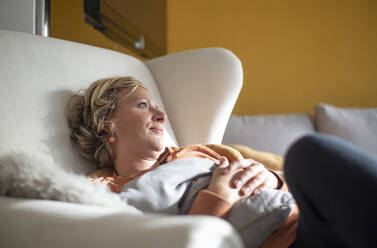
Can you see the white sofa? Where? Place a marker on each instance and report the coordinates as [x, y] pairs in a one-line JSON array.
[[196, 88]]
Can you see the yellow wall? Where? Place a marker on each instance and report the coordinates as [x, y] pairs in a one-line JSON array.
[[295, 53], [67, 23]]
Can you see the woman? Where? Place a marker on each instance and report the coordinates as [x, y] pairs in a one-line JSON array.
[[117, 125]]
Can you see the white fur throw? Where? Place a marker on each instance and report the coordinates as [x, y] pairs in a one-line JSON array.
[[26, 176]]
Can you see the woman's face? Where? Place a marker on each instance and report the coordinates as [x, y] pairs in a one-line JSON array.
[[138, 123]]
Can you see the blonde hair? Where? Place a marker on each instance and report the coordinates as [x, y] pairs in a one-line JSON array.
[[88, 113]]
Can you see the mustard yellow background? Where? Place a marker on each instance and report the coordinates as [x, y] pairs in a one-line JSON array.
[[295, 53]]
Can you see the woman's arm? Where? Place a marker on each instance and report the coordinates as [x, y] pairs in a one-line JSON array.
[[209, 203]]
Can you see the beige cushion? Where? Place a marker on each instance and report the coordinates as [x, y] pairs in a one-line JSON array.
[[269, 160], [357, 125], [237, 152]]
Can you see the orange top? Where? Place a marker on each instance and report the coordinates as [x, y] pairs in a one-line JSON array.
[[207, 202]]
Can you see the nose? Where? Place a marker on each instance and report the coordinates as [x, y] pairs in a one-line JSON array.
[[159, 115]]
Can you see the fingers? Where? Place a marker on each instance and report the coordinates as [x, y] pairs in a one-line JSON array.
[[247, 174], [260, 189], [264, 179], [257, 182], [223, 162], [244, 163]]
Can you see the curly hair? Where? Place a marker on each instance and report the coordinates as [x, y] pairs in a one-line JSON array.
[[88, 112]]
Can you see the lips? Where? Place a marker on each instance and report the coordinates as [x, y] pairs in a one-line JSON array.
[[158, 130]]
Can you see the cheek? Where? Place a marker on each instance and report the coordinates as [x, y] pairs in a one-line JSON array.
[[132, 124]]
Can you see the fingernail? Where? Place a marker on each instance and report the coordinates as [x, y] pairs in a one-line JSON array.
[[237, 183], [226, 170], [246, 191], [225, 160], [245, 162]]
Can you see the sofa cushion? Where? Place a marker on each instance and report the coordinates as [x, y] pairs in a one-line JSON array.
[[38, 76], [357, 125], [269, 160], [268, 133]]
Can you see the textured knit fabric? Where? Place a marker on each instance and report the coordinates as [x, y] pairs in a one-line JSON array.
[[207, 202], [171, 188]]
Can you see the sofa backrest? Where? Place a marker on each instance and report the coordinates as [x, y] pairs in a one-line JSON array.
[[37, 77]]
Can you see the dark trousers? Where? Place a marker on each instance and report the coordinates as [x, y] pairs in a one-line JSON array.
[[335, 186]]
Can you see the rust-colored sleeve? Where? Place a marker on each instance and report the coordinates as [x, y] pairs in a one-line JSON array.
[[209, 203], [286, 234], [282, 185]]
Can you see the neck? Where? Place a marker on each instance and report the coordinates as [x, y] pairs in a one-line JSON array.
[[128, 164]]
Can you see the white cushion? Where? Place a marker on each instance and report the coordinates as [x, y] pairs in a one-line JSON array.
[[200, 87], [357, 125], [38, 75], [269, 133]]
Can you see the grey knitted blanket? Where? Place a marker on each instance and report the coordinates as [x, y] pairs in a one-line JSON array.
[[171, 188]]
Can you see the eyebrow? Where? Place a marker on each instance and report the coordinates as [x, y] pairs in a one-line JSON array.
[[140, 97], [149, 101]]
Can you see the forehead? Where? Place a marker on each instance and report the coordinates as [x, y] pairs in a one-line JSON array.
[[139, 92]]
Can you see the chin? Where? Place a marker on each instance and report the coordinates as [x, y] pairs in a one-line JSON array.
[[158, 146], [161, 147]]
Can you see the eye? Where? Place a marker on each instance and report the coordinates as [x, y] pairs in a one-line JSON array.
[[143, 105]]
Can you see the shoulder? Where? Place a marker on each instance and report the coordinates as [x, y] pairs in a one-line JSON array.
[[191, 151], [194, 147], [101, 173]]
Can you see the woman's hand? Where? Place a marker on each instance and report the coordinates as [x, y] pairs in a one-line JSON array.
[[240, 179], [254, 177]]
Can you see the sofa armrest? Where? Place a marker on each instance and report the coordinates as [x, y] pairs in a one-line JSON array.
[[42, 223], [199, 106]]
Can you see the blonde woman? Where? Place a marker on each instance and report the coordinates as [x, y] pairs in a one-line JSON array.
[[118, 126]]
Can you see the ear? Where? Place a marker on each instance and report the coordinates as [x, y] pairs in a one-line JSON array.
[[109, 126]]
